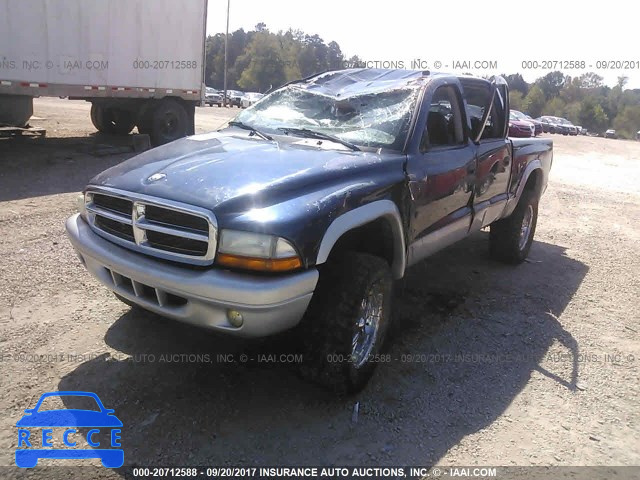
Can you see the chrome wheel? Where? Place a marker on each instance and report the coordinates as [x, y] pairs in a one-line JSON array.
[[525, 229], [367, 325]]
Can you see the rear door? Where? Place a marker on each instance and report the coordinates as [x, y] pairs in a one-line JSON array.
[[441, 174], [493, 148]]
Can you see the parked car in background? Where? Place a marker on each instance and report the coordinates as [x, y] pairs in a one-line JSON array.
[[250, 98], [611, 133], [526, 118], [234, 98], [571, 129], [548, 124], [212, 97], [561, 127], [520, 128]]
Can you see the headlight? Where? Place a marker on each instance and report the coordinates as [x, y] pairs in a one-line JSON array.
[[256, 251]]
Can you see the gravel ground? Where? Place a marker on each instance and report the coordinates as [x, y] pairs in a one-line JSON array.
[[490, 364]]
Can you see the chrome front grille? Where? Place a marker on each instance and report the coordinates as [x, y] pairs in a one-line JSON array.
[[165, 229]]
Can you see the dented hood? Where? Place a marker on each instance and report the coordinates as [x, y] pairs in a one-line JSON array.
[[220, 168]]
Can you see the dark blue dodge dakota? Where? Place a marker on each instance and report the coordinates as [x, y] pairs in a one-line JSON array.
[[303, 211]]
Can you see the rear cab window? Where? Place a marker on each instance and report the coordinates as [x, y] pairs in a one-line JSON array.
[[478, 96]]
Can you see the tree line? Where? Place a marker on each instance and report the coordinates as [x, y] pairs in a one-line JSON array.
[[259, 60], [584, 100]]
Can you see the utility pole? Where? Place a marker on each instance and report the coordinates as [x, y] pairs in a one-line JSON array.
[[226, 49]]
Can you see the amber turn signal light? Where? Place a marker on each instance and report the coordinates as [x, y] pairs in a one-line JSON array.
[[259, 264]]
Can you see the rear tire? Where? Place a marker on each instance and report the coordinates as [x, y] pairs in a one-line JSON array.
[[346, 324], [112, 120], [510, 239]]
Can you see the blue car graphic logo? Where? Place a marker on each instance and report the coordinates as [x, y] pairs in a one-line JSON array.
[[70, 419]]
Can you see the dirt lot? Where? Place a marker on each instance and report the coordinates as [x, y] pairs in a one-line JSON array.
[[493, 365]]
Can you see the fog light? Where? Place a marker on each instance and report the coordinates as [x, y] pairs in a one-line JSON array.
[[235, 318]]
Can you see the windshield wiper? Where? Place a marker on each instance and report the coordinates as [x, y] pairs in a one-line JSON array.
[[244, 126], [305, 132]]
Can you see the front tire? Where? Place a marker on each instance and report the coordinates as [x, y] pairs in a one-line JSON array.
[[347, 322], [510, 239]]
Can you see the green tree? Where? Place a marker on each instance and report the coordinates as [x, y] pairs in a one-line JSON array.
[[593, 116], [572, 92], [590, 80], [572, 112], [555, 107], [622, 81], [264, 65], [516, 100], [517, 83], [627, 123], [354, 62], [534, 101], [290, 48], [335, 57], [551, 84]]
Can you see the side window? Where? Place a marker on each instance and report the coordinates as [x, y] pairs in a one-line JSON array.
[[444, 121], [477, 99]]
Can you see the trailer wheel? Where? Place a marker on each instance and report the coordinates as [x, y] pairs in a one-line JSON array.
[[169, 121], [15, 110], [145, 119], [112, 120]]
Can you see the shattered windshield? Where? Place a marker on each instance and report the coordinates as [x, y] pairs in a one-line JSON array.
[[374, 119]]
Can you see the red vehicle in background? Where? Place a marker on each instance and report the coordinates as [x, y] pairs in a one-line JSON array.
[[526, 118], [520, 128]]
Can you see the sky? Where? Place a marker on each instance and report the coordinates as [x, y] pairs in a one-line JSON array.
[[517, 36]]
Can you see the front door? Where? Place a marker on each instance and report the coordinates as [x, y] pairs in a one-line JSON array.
[[441, 176]]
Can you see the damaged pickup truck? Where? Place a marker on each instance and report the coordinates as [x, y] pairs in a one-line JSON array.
[[304, 211]]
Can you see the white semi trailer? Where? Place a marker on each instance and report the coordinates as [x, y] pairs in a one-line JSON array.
[[139, 62]]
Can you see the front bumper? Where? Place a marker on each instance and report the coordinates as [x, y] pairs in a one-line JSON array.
[[197, 296]]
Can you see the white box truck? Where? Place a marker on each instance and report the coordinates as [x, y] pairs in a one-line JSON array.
[[139, 62]]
